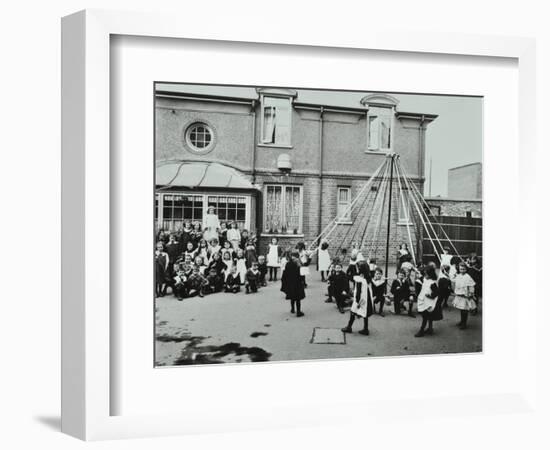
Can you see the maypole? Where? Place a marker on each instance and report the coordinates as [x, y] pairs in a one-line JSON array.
[[389, 217]]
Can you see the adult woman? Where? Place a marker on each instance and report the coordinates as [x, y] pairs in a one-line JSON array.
[[210, 225]]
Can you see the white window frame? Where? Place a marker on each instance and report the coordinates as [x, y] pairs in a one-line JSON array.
[[261, 141], [401, 218], [160, 215], [376, 112], [347, 218], [191, 145], [300, 232]]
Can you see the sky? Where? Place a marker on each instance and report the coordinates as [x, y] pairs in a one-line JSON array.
[[453, 139]]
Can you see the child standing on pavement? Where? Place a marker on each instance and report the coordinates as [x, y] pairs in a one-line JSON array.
[[464, 293], [362, 300], [273, 259]]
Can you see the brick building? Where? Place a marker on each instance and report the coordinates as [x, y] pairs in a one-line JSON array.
[[277, 165]]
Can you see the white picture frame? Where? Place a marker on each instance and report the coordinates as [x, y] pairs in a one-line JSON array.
[[86, 246]]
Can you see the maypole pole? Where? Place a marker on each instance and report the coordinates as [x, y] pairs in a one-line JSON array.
[[389, 216]]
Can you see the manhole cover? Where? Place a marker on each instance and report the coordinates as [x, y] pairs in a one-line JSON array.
[[328, 336]]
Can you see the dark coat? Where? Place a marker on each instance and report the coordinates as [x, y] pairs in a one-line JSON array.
[[339, 283], [291, 282], [399, 290]]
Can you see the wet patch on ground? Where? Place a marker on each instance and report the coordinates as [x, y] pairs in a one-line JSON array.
[[257, 334], [196, 353]]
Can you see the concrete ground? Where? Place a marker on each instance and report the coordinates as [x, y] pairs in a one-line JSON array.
[[234, 328]]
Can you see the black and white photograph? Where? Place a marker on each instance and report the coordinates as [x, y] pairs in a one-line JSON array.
[[300, 224]]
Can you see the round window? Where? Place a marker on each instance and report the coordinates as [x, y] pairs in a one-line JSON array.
[[199, 137]]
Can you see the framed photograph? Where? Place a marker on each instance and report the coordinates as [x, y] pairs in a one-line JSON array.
[[250, 220]]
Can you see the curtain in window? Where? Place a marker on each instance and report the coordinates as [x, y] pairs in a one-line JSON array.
[[292, 209], [269, 125], [385, 132], [373, 132], [274, 213]]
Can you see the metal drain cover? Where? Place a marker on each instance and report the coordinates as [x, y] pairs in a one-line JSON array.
[[328, 336]]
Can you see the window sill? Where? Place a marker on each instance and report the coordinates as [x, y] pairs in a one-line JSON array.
[[279, 235], [274, 145], [378, 152], [403, 223], [344, 222]]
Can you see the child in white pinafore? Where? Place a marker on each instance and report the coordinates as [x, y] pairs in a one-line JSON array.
[[323, 259], [240, 263], [273, 259], [464, 294]]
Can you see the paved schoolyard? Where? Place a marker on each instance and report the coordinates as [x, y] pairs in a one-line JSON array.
[[233, 328]]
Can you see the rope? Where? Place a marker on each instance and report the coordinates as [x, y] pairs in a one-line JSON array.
[[361, 210], [379, 215], [422, 220], [363, 236], [333, 223], [369, 216], [402, 198], [436, 221]]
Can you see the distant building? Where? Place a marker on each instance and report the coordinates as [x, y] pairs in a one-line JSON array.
[[464, 182]]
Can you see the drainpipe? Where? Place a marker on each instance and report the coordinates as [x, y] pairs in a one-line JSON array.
[[253, 114], [321, 126]]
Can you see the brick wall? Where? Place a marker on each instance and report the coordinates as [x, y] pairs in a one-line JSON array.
[[456, 208]]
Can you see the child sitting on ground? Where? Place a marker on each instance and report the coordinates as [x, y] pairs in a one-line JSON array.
[[399, 291], [252, 278], [379, 290], [413, 286], [197, 283], [180, 284], [339, 287], [232, 281]]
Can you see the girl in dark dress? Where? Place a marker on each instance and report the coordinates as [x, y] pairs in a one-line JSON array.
[[292, 285], [444, 285], [161, 270]]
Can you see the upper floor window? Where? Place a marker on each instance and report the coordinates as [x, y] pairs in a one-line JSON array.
[[276, 118], [379, 133]]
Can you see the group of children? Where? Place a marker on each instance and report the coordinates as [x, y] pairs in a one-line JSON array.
[[190, 265], [363, 288]]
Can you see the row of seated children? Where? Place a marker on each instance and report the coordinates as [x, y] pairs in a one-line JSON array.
[[219, 270]]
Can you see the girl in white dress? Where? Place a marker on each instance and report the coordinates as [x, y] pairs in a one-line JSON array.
[[234, 235], [323, 259], [427, 302], [273, 259], [464, 294], [304, 258], [210, 225], [240, 262]]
